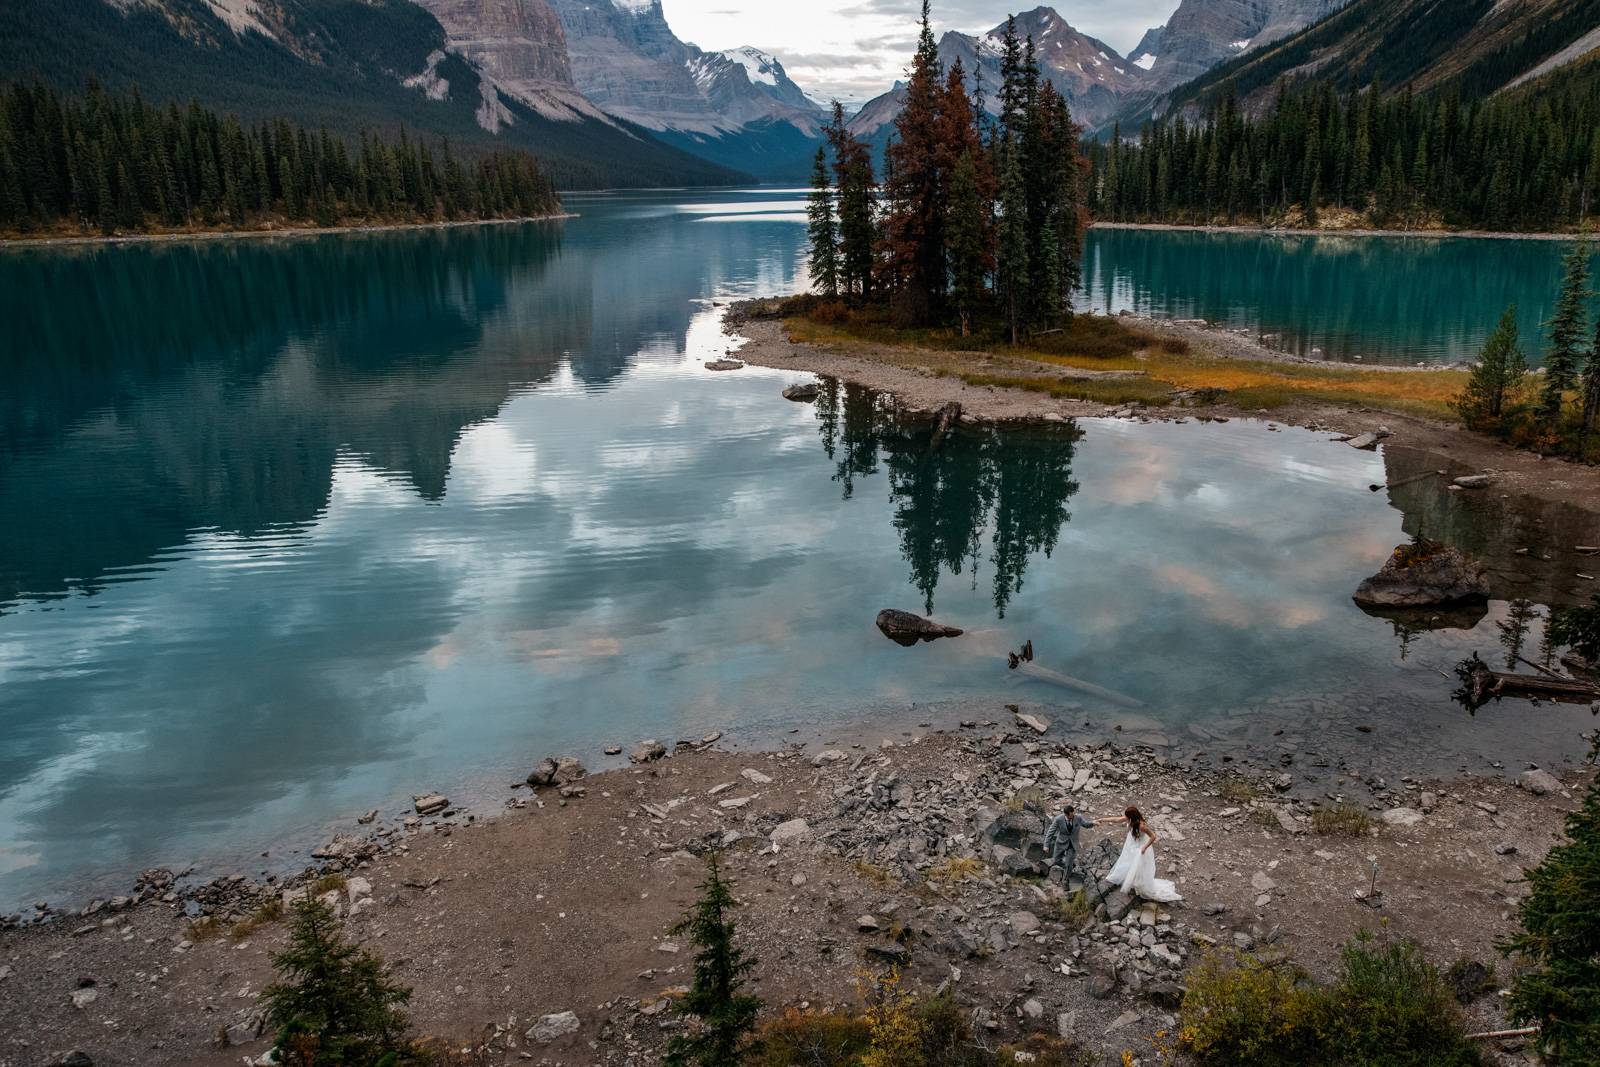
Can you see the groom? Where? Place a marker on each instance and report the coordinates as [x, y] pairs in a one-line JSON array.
[[1061, 839]]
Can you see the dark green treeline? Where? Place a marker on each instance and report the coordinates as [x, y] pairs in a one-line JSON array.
[[112, 163], [1527, 160]]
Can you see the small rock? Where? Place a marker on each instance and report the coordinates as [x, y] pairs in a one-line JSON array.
[[1262, 883], [1401, 817], [558, 770], [551, 1027], [368, 818], [828, 755], [82, 998], [1539, 782], [787, 832], [803, 392], [647, 751], [755, 777], [1505, 848], [1036, 723], [1472, 481], [430, 803], [357, 888], [1428, 801], [75, 1058], [866, 924], [1033, 1009], [1023, 923], [734, 803]]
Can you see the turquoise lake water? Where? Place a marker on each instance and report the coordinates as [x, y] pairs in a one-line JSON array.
[[298, 528]]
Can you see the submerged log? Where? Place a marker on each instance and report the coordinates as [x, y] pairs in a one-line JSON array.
[[1480, 685], [1045, 674]]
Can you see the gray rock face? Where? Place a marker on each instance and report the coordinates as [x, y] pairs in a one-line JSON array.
[[902, 627], [1202, 33], [1440, 578], [627, 60]]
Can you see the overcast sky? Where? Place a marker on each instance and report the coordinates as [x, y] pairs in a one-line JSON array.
[[855, 49]]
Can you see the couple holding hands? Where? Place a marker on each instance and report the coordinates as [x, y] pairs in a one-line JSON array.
[[1135, 869]]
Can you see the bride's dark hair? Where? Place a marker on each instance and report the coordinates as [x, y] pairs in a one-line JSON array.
[[1135, 821]]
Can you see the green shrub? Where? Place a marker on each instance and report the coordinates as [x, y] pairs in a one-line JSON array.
[[1560, 937], [1394, 1008], [813, 1039], [726, 1014], [334, 1003], [1241, 1010], [1343, 819]]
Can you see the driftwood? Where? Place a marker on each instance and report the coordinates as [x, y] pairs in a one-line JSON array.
[[1045, 674], [949, 415], [1495, 1035], [1479, 685], [1375, 486]]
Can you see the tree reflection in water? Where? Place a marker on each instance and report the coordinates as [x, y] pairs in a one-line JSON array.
[[1011, 486]]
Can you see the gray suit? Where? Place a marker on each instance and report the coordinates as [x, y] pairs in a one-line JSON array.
[[1061, 839]]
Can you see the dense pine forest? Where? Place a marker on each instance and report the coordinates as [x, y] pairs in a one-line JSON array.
[[1527, 160], [975, 222], [106, 163]]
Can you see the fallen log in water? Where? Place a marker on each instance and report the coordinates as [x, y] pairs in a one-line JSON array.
[[1481, 685], [1045, 674]]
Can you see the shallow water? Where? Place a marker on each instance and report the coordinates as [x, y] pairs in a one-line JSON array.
[[294, 529]]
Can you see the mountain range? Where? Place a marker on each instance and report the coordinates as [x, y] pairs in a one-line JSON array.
[[606, 94]]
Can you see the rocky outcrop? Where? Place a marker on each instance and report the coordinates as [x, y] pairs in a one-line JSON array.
[[1203, 33], [902, 627], [627, 60], [1425, 575]]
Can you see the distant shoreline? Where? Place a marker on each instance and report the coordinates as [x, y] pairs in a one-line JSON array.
[[1293, 231], [288, 231]]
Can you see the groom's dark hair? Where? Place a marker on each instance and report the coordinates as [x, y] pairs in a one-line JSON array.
[[1067, 806]]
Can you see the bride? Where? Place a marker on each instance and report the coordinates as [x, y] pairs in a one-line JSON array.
[[1135, 869]]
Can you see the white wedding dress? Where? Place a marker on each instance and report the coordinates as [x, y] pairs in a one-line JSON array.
[[1136, 874]]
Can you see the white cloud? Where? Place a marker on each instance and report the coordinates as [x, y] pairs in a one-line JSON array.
[[855, 49]]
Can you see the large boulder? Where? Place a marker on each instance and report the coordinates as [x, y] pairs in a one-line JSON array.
[[1425, 574], [803, 393], [904, 628]]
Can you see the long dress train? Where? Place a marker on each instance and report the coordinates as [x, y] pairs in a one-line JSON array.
[[1136, 874]]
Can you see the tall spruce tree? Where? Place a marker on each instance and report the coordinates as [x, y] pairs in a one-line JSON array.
[[1589, 391], [823, 229], [1496, 379], [1560, 937], [858, 195], [916, 183], [1568, 329], [968, 240], [727, 1015]]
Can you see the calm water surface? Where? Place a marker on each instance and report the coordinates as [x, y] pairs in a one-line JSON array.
[[294, 529], [1366, 299]]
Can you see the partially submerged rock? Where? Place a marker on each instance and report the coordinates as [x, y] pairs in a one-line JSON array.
[[724, 364], [1425, 574], [430, 803], [907, 629], [803, 392]]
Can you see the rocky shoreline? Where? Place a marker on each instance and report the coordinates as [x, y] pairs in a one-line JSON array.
[[919, 852]]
